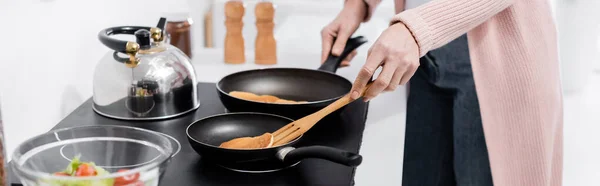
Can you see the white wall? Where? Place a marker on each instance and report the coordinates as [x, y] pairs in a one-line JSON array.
[[49, 51], [578, 24]]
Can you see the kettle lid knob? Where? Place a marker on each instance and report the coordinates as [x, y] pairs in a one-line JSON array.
[[143, 38]]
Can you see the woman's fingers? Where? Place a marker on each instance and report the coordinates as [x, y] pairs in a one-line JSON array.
[[402, 75], [366, 72], [395, 80], [327, 35], [340, 41], [382, 81], [411, 68], [401, 55]]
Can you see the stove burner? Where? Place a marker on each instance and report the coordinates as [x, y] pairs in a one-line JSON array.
[[258, 167]]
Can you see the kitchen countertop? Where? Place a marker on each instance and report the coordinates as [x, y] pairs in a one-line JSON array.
[[187, 168], [384, 126], [383, 139]]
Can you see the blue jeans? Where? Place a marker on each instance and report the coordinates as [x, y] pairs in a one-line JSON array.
[[444, 143]]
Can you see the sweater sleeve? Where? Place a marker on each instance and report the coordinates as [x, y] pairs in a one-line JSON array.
[[438, 22]]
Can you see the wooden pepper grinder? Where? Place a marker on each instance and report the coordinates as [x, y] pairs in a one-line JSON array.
[[234, 41], [265, 48]]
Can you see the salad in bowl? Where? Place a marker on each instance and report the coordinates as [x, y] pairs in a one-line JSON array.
[[94, 156]]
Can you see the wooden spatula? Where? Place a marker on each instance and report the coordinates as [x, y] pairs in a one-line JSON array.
[[293, 130]]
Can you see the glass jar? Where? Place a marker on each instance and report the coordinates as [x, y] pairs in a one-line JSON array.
[[179, 31]]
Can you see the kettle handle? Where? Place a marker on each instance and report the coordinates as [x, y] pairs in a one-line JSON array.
[[142, 34], [130, 47], [119, 45]]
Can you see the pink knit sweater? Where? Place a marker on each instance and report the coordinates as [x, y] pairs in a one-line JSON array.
[[513, 50]]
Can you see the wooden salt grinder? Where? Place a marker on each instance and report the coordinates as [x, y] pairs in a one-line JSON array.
[[234, 41], [265, 46]]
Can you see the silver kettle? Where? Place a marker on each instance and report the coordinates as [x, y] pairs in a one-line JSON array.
[[143, 80]]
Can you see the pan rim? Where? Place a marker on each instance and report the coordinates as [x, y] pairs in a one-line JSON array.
[[238, 113], [280, 68]]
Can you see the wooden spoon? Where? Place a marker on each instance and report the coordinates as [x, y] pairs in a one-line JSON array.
[[292, 130]]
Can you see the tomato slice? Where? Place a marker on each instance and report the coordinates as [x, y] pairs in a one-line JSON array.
[[128, 179], [85, 170]]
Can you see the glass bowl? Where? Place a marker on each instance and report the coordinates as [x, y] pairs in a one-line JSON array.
[[131, 156]]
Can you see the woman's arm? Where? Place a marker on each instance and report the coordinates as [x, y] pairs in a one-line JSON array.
[[438, 22], [399, 6], [371, 5]]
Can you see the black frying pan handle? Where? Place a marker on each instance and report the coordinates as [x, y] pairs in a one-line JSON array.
[[291, 155], [333, 62]]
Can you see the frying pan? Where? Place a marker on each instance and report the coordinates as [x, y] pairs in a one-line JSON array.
[[205, 136], [318, 87]]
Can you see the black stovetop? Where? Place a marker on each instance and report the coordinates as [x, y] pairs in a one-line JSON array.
[[187, 167]]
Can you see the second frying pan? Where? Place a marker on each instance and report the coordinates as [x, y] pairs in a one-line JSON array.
[[318, 87], [205, 136]]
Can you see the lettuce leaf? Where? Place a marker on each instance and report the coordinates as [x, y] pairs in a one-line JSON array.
[[72, 168]]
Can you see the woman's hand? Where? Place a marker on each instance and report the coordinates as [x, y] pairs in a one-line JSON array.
[[341, 28], [397, 51]]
